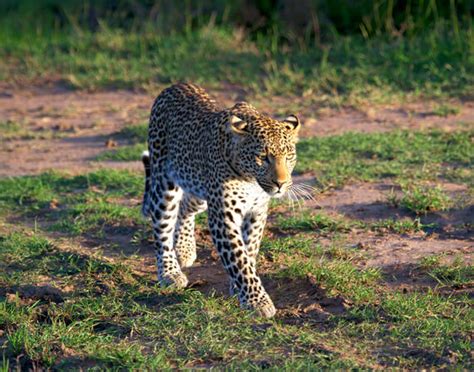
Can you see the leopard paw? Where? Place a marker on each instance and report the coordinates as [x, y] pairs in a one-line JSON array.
[[264, 307], [187, 260], [266, 310], [173, 280]]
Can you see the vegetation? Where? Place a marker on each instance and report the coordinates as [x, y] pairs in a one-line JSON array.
[[78, 285], [335, 160], [95, 309], [12, 130], [423, 198], [429, 55]]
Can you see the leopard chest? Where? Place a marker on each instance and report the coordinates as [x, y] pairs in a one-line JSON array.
[[244, 198]]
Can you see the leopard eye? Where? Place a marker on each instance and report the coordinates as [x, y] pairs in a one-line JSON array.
[[263, 158]]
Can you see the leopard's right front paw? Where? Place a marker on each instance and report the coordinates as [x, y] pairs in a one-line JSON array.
[[186, 251], [267, 310], [187, 260], [173, 280]]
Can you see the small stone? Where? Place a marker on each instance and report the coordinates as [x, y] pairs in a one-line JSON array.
[[110, 143]]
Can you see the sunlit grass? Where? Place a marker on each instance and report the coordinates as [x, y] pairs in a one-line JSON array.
[[406, 155], [422, 199], [349, 70], [61, 306], [336, 160]]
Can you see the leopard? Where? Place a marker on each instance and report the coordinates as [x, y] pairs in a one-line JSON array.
[[228, 161]]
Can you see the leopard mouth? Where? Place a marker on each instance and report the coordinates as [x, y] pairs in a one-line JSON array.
[[277, 194], [273, 191]]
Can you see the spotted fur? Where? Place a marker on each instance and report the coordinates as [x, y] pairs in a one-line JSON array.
[[228, 161]]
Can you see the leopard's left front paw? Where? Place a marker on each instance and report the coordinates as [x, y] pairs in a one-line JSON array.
[[173, 280], [263, 307], [267, 310]]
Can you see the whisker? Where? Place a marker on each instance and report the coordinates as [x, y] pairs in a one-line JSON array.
[[305, 194], [313, 199], [308, 195], [307, 187], [296, 199], [290, 198], [292, 201], [297, 196]]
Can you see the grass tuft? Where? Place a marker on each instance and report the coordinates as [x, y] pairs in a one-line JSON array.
[[445, 110], [422, 199]]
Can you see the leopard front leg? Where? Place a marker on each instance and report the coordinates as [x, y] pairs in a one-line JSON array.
[[184, 239], [226, 229], [252, 232], [165, 198]]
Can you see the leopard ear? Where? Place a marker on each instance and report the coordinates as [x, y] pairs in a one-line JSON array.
[[237, 125], [292, 123]]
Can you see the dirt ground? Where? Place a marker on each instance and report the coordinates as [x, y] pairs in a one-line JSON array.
[[74, 127], [78, 124]]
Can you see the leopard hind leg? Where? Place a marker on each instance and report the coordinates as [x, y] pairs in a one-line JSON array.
[[165, 199], [184, 238], [146, 194]]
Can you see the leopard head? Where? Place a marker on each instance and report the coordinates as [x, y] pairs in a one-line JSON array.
[[262, 148]]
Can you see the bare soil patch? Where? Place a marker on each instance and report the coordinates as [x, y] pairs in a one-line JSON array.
[[412, 116], [370, 202], [451, 233], [85, 122]]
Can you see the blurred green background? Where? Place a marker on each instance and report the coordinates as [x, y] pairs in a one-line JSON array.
[[332, 51], [292, 20], [77, 287]]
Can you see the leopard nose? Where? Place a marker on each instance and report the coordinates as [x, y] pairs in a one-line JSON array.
[[279, 184]]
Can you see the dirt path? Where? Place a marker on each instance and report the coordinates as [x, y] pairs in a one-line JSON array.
[[76, 126], [66, 130], [368, 202]]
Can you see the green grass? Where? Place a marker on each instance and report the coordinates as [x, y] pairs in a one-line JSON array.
[[75, 204], [116, 319], [137, 136], [12, 130], [400, 226], [63, 305], [402, 154], [422, 199], [335, 160], [306, 221], [124, 153], [134, 133], [456, 274], [445, 110], [421, 323], [351, 69], [380, 318]]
